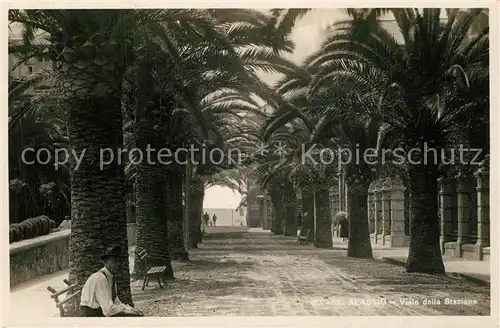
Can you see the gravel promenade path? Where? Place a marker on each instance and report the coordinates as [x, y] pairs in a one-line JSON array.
[[254, 273]]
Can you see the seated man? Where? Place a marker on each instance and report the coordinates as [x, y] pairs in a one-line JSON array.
[[99, 294]]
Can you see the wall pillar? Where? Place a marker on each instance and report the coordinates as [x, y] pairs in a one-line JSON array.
[[341, 191], [377, 196], [446, 193], [463, 205], [270, 213], [371, 209], [335, 201], [386, 209], [344, 185], [265, 216], [483, 208], [397, 201], [334, 206]]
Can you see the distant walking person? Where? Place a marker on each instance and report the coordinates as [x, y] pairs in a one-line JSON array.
[[206, 218], [343, 223], [214, 218], [298, 224]]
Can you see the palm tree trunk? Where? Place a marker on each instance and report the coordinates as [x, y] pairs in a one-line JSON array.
[[357, 210], [201, 230], [279, 213], [196, 193], [424, 253], [98, 208], [307, 207], [290, 204], [174, 211], [151, 195], [273, 214], [323, 233], [151, 188], [188, 172], [94, 119]]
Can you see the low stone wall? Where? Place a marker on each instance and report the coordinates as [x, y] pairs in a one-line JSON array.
[[46, 254], [471, 252], [39, 256]]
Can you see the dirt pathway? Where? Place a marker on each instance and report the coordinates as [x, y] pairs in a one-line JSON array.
[[258, 274]]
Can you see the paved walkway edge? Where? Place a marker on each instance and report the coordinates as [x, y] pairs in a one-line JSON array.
[[474, 279]]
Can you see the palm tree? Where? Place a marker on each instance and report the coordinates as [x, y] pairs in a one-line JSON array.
[[44, 187], [434, 83], [325, 110], [194, 63], [314, 179], [90, 51], [224, 104]]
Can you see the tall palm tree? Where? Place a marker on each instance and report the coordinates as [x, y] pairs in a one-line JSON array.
[[90, 51], [223, 109], [202, 65], [434, 83], [314, 178], [325, 110]]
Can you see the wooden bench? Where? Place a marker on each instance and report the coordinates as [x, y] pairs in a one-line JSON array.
[[305, 239], [157, 271], [72, 299]]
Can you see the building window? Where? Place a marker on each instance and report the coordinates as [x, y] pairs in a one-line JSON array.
[[30, 69]]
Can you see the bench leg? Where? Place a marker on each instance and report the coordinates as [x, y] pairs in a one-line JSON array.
[[144, 282], [159, 281], [162, 275]]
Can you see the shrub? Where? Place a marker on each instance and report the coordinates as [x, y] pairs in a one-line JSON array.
[[25, 229], [31, 228], [15, 233], [19, 232], [11, 234]]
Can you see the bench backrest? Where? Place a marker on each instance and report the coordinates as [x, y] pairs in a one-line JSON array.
[[72, 299], [143, 256]]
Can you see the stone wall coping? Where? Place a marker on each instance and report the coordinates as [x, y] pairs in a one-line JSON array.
[[468, 247], [26, 244], [35, 257], [450, 245]]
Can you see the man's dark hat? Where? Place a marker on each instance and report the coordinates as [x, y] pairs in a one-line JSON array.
[[112, 251]]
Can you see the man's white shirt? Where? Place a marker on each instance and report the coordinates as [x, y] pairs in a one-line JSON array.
[[97, 293]]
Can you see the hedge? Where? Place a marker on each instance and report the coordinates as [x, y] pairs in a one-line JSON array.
[[31, 228]]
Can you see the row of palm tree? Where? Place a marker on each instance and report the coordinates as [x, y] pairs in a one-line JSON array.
[[175, 78], [164, 78], [363, 89]]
